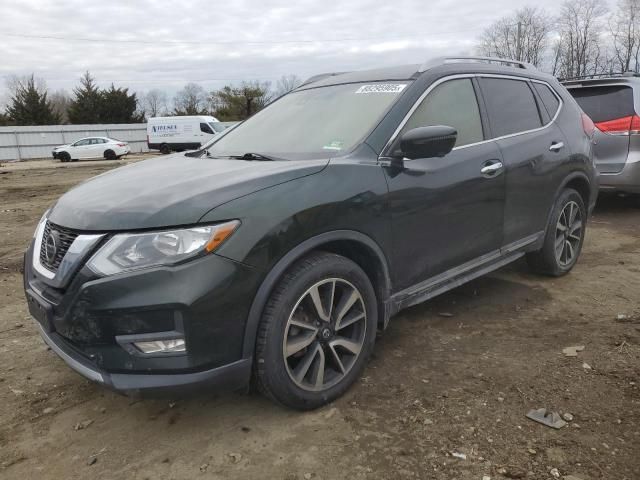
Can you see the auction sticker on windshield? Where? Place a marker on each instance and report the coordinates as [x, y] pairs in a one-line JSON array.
[[381, 88]]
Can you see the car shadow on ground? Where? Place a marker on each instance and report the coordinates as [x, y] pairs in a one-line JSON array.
[[612, 203]]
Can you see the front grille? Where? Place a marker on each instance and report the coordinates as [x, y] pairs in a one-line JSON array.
[[63, 240]]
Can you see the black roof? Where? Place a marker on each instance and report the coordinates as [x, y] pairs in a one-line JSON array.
[[448, 65]]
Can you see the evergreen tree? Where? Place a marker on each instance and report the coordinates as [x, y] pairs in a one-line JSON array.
[[4, 120], [29, 105], [85, 107], [117, 106]]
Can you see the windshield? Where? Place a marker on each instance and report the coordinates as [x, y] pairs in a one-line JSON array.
[[217, 126], [315, 123]]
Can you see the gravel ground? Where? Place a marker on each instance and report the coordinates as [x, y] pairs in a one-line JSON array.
[[444, 397]]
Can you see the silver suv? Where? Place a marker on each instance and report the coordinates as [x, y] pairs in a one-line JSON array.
[[612, 102]]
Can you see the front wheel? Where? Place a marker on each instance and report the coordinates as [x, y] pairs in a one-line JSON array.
[[564, 238], [316, 333]]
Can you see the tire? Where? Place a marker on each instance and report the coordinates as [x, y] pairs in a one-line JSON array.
[[164, 149], [64, 157], [564, 237], [110, 155], [278, 361]]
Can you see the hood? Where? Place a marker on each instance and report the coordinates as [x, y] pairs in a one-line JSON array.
[[169, 191], [62, 146]]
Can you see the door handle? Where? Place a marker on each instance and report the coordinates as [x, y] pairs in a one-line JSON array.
[[556, 146], [491, 169]]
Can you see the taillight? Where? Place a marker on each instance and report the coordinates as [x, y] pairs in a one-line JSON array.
[[621, 126], [587, 125], [122, 144]]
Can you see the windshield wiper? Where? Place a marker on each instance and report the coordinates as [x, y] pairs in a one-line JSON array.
[[254, 156]]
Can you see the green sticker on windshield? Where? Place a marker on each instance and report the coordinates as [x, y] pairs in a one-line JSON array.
[[335, 145]]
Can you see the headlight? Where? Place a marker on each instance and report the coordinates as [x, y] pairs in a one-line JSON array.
[[125, 252]]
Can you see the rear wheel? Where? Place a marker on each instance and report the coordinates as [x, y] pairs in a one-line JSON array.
[[110, 155], [317, 332], [564, 237], [164, 149]]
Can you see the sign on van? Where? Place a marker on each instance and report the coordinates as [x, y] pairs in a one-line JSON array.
[[165, 130]]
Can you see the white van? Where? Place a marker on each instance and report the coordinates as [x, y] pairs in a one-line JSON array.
[[181, 133]]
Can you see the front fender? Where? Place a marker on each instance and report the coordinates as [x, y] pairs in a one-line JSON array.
[[346, 201]]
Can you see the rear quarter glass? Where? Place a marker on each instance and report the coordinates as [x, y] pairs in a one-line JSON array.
[[549, 99], [604, 103]]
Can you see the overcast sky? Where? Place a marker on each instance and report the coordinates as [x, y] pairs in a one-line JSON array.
[[144, 44]]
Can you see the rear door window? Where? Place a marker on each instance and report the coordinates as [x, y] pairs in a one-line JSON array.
[[605, 103], [511, 106], [452, 103], [549, 99]]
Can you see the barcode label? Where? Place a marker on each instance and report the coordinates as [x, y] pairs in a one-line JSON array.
[[381, 88]]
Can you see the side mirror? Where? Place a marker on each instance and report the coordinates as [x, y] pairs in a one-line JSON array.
[[428, 142]]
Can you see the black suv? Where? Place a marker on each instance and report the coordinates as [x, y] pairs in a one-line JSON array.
[[276, 252]]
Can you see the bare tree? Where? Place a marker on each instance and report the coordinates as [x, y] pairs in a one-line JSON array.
[[501, 38], [191, 100], [286, 83], [154, 103], [579, 48], [624, 26], [15, 82], [60, 100]]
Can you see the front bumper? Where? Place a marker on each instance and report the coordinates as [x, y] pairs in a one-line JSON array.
[[205, 300], [233, 376]]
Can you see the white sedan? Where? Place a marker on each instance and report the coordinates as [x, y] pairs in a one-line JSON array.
[[92, 147]]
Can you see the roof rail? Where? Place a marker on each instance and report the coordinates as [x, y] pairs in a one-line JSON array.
[[320, 76], [460, 59], [600, 75]]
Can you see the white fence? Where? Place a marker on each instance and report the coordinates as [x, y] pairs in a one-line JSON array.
[[23, 143]]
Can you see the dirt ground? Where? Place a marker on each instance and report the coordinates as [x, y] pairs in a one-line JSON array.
[[454, 375]]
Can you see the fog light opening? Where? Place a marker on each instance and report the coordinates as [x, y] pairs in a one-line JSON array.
[[174, 345]]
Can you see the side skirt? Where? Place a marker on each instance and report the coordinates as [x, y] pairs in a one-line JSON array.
[[462, 274]]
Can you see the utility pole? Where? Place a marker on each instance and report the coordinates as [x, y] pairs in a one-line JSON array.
[[519, 42]]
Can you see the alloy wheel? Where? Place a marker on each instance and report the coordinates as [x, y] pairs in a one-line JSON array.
[[325, 334], [568, 234]]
